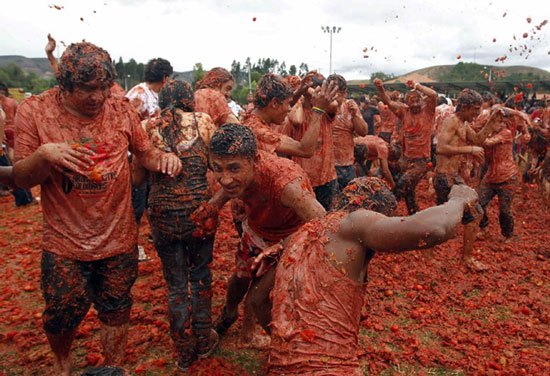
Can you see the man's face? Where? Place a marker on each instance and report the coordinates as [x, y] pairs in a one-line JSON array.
[[235, 174], [471, 112], [415, 102], [279, 110], [88, 98], [226, 88], [341, 97]]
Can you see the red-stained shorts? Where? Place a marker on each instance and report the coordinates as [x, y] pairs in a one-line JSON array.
[[251, 245], [70, 287]]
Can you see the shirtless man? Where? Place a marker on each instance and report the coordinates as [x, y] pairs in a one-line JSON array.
[[321, 276], [388, 121], [277, 198], [73, 140], [417, 115], [452, 146], [347, 123]]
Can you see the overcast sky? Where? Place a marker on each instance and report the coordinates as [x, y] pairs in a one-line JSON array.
[[406, 35]]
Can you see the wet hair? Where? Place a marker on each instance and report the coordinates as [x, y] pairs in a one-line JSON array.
[[214, 79], [173, 96], [157, 69], [413, 93], [4, 89], [367, 193], [233, 140], [487, 96], [468, 98], [293, 81], [84, 62], [177, 94], [340, 82], [271, 86]]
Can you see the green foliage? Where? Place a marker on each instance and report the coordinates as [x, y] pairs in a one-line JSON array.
[[381, 75], [13, 76], [198, 73], [464, 72], [129, 74]]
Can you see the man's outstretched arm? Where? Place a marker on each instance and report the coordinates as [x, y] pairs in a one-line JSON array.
[[424, 229]]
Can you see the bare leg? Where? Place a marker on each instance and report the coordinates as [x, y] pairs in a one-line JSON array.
[[470, 232], [236, 290], [61, 347], [258, 298], [113, 340]]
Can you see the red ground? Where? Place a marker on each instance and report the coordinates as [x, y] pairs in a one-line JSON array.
[[424, 313]]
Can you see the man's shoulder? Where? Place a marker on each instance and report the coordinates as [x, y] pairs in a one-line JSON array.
[[46, 98]]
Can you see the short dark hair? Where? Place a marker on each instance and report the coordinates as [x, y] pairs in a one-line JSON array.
[[468, 98], [271, 86], [233, 140], [157, 69], [367, 193], [84, 62], [340, 81]]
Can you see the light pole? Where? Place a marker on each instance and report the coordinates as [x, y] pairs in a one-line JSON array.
[[126, 82], [330, 30]]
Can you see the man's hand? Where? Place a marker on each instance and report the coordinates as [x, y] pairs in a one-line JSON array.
[[50, 46], [478, 153], [467, 195], [169, 164], [324, 95], [353, 107], [378, 83], [205, 218], [411, 84], [64, 156], [265, 258]]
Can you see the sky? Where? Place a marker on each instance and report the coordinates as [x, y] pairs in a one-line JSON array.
[[391, 36]]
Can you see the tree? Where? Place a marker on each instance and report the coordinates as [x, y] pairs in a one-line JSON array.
[[303, 70], [382, 76], [198, 73], [282, 69], [292, 70]]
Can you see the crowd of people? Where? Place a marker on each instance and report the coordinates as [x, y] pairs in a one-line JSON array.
[[312, 178]]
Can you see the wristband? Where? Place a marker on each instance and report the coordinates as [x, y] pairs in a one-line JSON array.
[[318, 110]]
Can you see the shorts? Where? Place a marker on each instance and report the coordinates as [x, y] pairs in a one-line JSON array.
[[251, 245], [70, 287]]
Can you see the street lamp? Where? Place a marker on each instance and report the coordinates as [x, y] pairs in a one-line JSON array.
[[126, 82], [331, 30]]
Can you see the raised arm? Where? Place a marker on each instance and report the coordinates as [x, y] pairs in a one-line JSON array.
[[321, 98], [360, 126], [424, 229], [396, 107], [50, 48]]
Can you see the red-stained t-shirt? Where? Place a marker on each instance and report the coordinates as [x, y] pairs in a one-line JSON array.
[[213, 103], [9, 106], [417, 130], [316, 309], [85, 217], [342, 134], [388, 120], [500, 158], [320, 167], [265, 213], [377, 148], [268, 139]]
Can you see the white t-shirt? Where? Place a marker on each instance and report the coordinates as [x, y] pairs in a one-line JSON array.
[[149, 99]]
